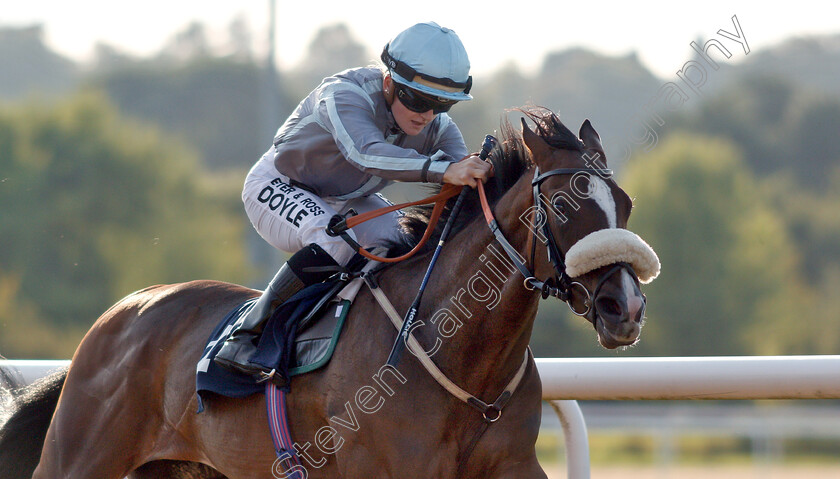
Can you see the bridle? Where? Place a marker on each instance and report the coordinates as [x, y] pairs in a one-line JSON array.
[[561, 285]]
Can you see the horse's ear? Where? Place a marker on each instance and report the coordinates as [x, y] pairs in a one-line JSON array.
[[536, 145], [590, 139], [588, 135]]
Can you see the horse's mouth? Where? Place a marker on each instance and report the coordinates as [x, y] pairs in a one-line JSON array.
[[628, 335]]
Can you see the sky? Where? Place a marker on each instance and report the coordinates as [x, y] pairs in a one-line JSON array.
[[509, 31]]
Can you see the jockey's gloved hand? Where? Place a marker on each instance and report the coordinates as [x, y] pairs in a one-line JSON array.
[[467, 171]]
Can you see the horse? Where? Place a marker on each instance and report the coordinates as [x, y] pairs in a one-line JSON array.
[[127, 404]]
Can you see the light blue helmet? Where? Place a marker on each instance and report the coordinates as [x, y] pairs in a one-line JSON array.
[[430, 59]]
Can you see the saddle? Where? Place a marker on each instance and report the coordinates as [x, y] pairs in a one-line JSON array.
[[300, 336], [311, 331]]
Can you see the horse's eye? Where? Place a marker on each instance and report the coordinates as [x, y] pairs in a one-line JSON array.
[[560, 206]]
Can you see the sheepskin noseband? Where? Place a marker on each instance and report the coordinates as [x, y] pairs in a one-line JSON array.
[[609, 246]]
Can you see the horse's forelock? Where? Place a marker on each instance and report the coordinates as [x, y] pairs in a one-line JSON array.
[[552, 130]]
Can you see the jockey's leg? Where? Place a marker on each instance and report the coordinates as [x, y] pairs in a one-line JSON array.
[[294, 220], [292, 277]]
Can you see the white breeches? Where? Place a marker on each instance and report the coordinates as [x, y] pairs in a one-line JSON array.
[[289, 217]]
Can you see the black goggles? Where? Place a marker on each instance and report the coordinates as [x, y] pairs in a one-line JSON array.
[[421, 103]]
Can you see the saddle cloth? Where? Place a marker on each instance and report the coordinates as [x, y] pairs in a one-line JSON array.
[[300, 337]]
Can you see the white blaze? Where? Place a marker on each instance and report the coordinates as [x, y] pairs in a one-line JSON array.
[[600, 192]]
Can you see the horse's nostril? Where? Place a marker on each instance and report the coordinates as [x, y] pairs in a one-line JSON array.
[[610, 308]]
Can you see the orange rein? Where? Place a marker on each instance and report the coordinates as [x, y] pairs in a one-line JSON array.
[[485, 206], [447, 191], [440, 199]]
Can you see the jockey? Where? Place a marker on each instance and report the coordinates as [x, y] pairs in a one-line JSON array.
[[357, 132]]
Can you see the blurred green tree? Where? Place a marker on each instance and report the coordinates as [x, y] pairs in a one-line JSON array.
[[780, 127], [214, 104], [96, 206], [729, 265], [812, 218]]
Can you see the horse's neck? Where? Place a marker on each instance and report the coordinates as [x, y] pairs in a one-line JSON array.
[[480, 292]]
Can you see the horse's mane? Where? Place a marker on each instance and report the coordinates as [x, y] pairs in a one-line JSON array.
[[510, 160]]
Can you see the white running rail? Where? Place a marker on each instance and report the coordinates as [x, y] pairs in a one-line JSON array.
[[565, 381]]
